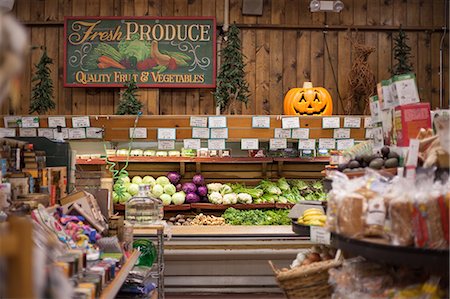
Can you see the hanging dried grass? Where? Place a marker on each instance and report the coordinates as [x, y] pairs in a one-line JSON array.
[[360, 78]]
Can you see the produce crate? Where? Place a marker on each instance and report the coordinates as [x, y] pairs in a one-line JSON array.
[[309, 281]]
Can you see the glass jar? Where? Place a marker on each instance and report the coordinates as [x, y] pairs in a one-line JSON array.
[[144, 208]]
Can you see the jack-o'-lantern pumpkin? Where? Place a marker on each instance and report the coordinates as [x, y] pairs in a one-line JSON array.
[[308, 100]]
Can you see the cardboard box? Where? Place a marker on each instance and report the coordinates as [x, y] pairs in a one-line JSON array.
[[409, 119]]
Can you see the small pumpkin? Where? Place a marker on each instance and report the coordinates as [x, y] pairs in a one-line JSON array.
[[308, 100]]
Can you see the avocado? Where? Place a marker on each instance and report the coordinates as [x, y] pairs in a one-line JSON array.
[[367, 158], [385, 151], [342, 166], [376, 163], [346, 170], [391, 163], [393, 155], [353, 164], [364, 164], [359, 159]]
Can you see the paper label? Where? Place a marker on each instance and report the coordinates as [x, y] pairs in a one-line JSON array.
[[199, 121], [341, 133], [249, 144], [352, 122], [331, 122], [46, 132], [27, 132], [368, 122], [192, 143], [80, 122], [63, 135], [218, 133], [217, 121], [277, 143], [388, 99], [343, 144], [202, 133], [167, 134], [166, 144], [56, 121], [12, 121], [261, 122], [30, 122], [327, 143], [378, 140], [320, 235], [369, 133], [7, 132], [375, 109], [77, 133], [282, 133], [307, 144], [216, 144], [138, 133], [290, 122], [94, 133], [300, 133], [413, 152], [376, 211]]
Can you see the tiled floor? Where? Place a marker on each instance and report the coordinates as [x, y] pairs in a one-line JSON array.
[[224, 296]]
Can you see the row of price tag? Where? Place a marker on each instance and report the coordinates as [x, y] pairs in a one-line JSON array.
[[64, 133], [53, 121]]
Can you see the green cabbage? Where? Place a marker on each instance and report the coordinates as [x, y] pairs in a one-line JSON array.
[[162, 180], [283, 184], [134, 48], [157, 190], [170, 189], [178, 198], [166, 199]]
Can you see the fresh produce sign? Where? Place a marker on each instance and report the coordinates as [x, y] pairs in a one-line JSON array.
[[152, 51]]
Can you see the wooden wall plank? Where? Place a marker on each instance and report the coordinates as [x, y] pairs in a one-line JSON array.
[[179, 103], [38, 40], [384, 56], [51, 43], [438, 18], [92, 94], [276, 72], [330, 66], [303, 57], [165, 95], [290, 48], [141, 9], [248, 50], [373, 12], [360, 12], [347, 13], [79, 94], [423, 69], [386, 13], [344, 64], [106, 94], [262, 72], [317, 58], [235, 11], [267, 13], [220, 5], [400, 9]]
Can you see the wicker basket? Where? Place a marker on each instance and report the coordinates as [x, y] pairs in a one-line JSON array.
[[309, 281]]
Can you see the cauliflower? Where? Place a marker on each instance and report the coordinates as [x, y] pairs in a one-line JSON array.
[[230, 199], [214, 187], [215, 197], [244, 198]]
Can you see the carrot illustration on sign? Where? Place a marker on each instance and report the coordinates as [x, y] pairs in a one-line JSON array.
[[105, 62]]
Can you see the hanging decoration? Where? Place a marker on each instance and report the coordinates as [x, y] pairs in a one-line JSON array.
[[42, 93], [360, 78], [308, 100], [231, 83], [129, 103], [402, 54]]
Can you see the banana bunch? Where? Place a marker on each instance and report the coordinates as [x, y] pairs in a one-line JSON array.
[[313, 216]]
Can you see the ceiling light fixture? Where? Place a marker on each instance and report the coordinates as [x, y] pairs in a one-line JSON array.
[[330, 6]]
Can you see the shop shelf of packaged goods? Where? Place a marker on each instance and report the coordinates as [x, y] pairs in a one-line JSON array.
[[113, 288], [379, 250]]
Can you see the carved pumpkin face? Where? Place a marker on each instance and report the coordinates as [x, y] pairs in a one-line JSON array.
[[308, 100]]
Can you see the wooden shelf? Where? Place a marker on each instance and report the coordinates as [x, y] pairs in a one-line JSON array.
[[113, 288], [216, 207], [96, 161], [304, 160]]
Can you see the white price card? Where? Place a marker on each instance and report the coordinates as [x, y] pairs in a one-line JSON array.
[[375, 109], [352, 122], [166, 144], [217, 121], [282, 133], [300, 133], [278, 143], [192, 144], [30, 122], [202, 133], [12, 121], [216, 144], [341, 133], [307, 144], [56, 121], [249, 144], [290, 122], [77, 133], [327, 143], [7, 132], [369, 133], [64, 134], [378, 139], [199, 121], [218, 133], [413, 153], [343, 144], [261, 122], [167, 134], [94, 133], [367, 122], [138, 133], [320, 235], [331, 122], [80, 122], [27, 132], [46, 132]]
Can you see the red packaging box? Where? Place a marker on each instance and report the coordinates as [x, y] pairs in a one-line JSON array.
[[409, 119]]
